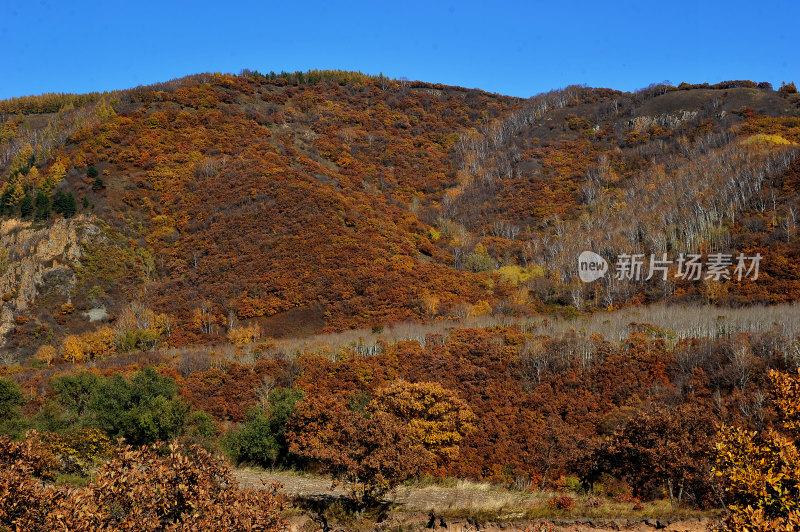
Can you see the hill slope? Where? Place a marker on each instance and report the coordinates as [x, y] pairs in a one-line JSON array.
[[330, 200]]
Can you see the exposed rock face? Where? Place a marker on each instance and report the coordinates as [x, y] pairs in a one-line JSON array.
[[38, 261], [669, 120]]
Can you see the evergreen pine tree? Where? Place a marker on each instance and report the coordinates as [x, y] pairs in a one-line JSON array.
[[64, 204], [42, 206], [6, 203], [26, 206], [98, 184]]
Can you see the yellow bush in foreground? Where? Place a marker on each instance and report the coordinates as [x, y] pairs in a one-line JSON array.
[[761, 472]]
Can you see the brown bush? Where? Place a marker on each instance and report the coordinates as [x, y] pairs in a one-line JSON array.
[[562, 502], [138, 489]]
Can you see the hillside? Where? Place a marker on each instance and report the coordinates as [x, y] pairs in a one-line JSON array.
[[323, 201], [384, 284]]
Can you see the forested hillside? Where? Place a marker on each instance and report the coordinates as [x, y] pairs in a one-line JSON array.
[[378, 280], [330, 200]]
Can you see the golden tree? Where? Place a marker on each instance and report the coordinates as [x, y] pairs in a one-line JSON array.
[[99, 343], [45, 354], [437, 418], [369, 454], [74, 349], [761, 471]]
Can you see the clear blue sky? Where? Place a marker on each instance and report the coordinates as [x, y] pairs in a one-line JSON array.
[[517, 48]]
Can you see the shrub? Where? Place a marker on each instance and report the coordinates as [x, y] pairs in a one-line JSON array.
[[761, 471], [562, 502], [143, 410], [623, 498], [79, 450], [98, 184], [573, 484], [261, 438], [11, 398], [137, 339], [138, 489], [23, 467], [594, 502], [479, 260], [201, 429], [541, 526]]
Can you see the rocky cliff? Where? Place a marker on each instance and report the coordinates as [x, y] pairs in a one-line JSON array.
[[36, 262]]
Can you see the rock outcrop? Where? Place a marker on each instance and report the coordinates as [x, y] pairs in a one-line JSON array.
[[37, 261]]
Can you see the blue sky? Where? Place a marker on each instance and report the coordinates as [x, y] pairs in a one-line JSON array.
[[516, 48]]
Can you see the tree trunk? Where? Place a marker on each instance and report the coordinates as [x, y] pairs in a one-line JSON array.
[[669, 490], [547, 468]]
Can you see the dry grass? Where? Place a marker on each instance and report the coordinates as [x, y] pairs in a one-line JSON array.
[[679, 321], [481, 501], [675, 322]]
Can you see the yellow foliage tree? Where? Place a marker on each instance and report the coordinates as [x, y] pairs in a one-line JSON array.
[[437, 418], [761, 472], [481, 308], [33, 177], [54, 177], [22, 159], [240, 336], [99, 343], [18, 192], [45, 354], [74, 349]]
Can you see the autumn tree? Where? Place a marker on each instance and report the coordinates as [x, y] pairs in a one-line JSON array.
[[788, 88], [437, 419], [74, 349], [369, 453], [54, 177], [242, 335], [761, 471], [99, 343], [670, 448]]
